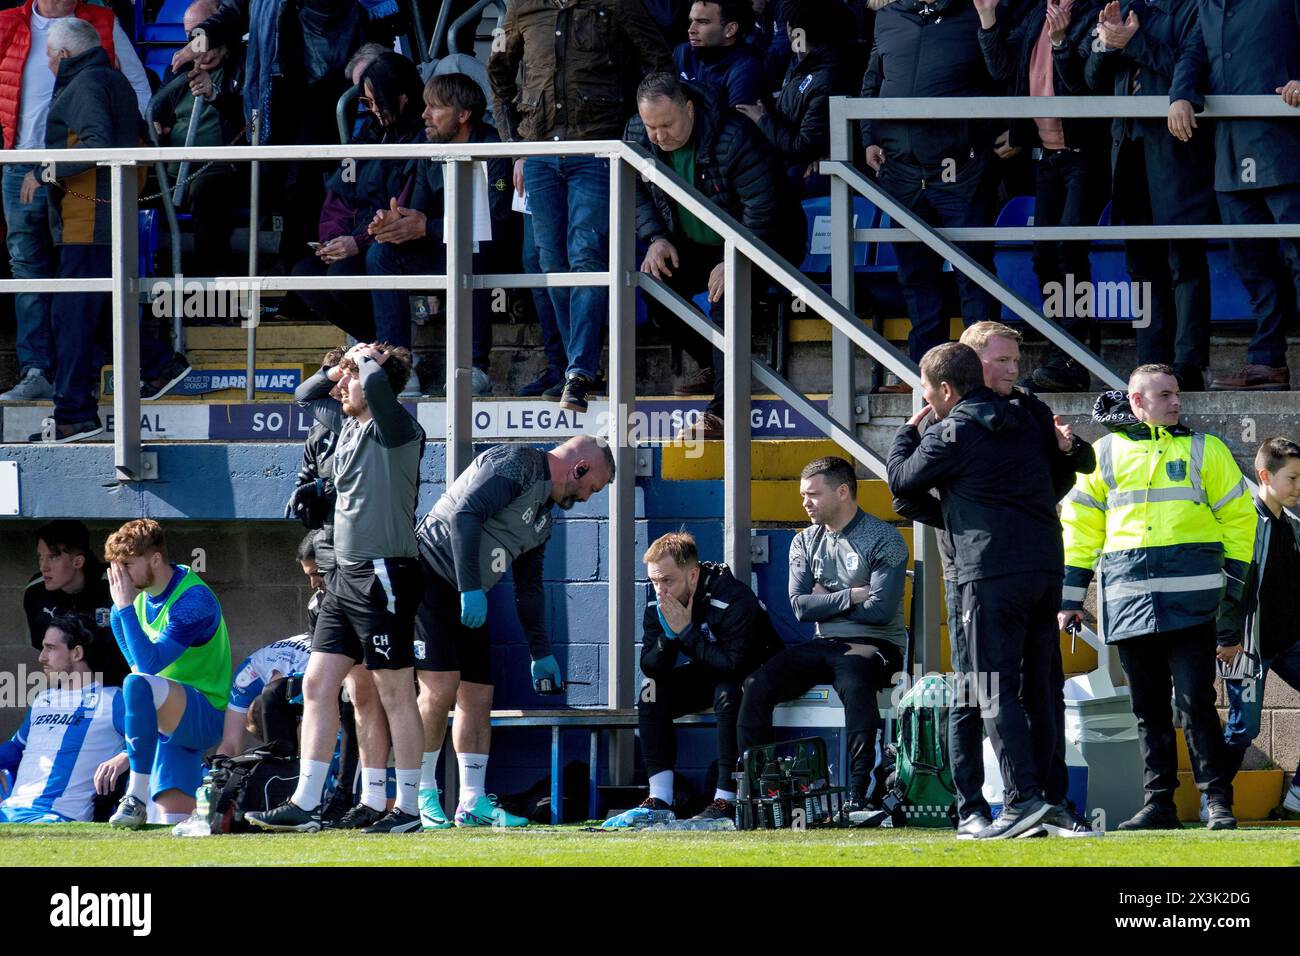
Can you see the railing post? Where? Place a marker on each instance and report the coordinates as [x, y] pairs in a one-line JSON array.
[[843, 386], [254, 298], [926, 574], [736, 403], [622, 493], [126, 320], [459, 213]]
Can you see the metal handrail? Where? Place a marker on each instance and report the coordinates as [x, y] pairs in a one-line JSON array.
[[476, 11]]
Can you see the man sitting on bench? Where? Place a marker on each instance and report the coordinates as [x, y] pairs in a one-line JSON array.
[[848, 572], [721, 631]]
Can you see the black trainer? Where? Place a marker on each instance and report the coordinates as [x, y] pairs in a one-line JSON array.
[[1061, 375], [855, 812], [288, 817], [1063, 820], [175, 372], [1221, 817], [63, 434], [356, 818], [1153, 816], [1015, 819], [719, 809], [395, 821], [574, 397]]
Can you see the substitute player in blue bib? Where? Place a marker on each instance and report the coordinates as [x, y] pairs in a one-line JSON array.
[[70, 743], [171, 630], [266, 676]]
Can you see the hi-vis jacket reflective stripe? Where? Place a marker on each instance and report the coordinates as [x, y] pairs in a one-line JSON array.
[[1168, 520]]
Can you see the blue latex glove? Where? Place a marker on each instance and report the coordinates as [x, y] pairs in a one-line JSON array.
[[473, 608], [546, 667]]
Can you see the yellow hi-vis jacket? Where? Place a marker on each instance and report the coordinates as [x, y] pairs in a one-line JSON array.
[[1168, 521]]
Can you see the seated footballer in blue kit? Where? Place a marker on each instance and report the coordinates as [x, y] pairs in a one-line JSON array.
[[170, 628]]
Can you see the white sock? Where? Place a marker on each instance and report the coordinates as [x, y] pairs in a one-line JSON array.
[[173, 818], [408, 790], [661, 786], [429, 770], [473, 777], [728, 795], [138, 786], [374, 787], [311, 784]]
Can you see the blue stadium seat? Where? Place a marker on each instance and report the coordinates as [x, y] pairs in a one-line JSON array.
[[1014, 259], [817, 212]]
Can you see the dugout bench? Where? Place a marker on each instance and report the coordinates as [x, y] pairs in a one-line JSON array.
[[819, 707]]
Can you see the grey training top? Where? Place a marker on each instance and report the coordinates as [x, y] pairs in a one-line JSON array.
[[376, 467], [497, 509], [866, 553]]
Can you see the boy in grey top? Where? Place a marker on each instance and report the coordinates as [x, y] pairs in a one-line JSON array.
[[847, 573], [368, 613], [497, 515]]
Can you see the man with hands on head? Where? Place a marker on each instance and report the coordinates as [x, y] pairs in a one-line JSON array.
[[368, 613], [495, 517]]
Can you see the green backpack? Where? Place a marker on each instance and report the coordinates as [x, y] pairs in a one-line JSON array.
[[924, 776]]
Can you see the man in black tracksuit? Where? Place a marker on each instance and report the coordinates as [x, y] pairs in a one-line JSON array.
[[998, 348], [699, 612], [935, 168], [1149, 48], [991, 464]]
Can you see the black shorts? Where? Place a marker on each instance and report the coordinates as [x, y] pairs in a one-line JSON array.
[[442, 643], [368, 613]]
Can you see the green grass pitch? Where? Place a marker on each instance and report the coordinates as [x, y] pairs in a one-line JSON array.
[[86, 844]]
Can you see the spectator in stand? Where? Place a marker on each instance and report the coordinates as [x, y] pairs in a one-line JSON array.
[[1160, 177], [936, 169], [1044, 55], [575, 59], [716, 55], [293, 74], [799, 122], [771, 41], [94, 107], [408, 231], [354, 194], [550, 382], [28, 89], [71, 580], [725, 157], [221, 124], [365, 55], [1256, 177]]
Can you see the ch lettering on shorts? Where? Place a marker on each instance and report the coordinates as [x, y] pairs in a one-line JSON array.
[[380, 644]]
